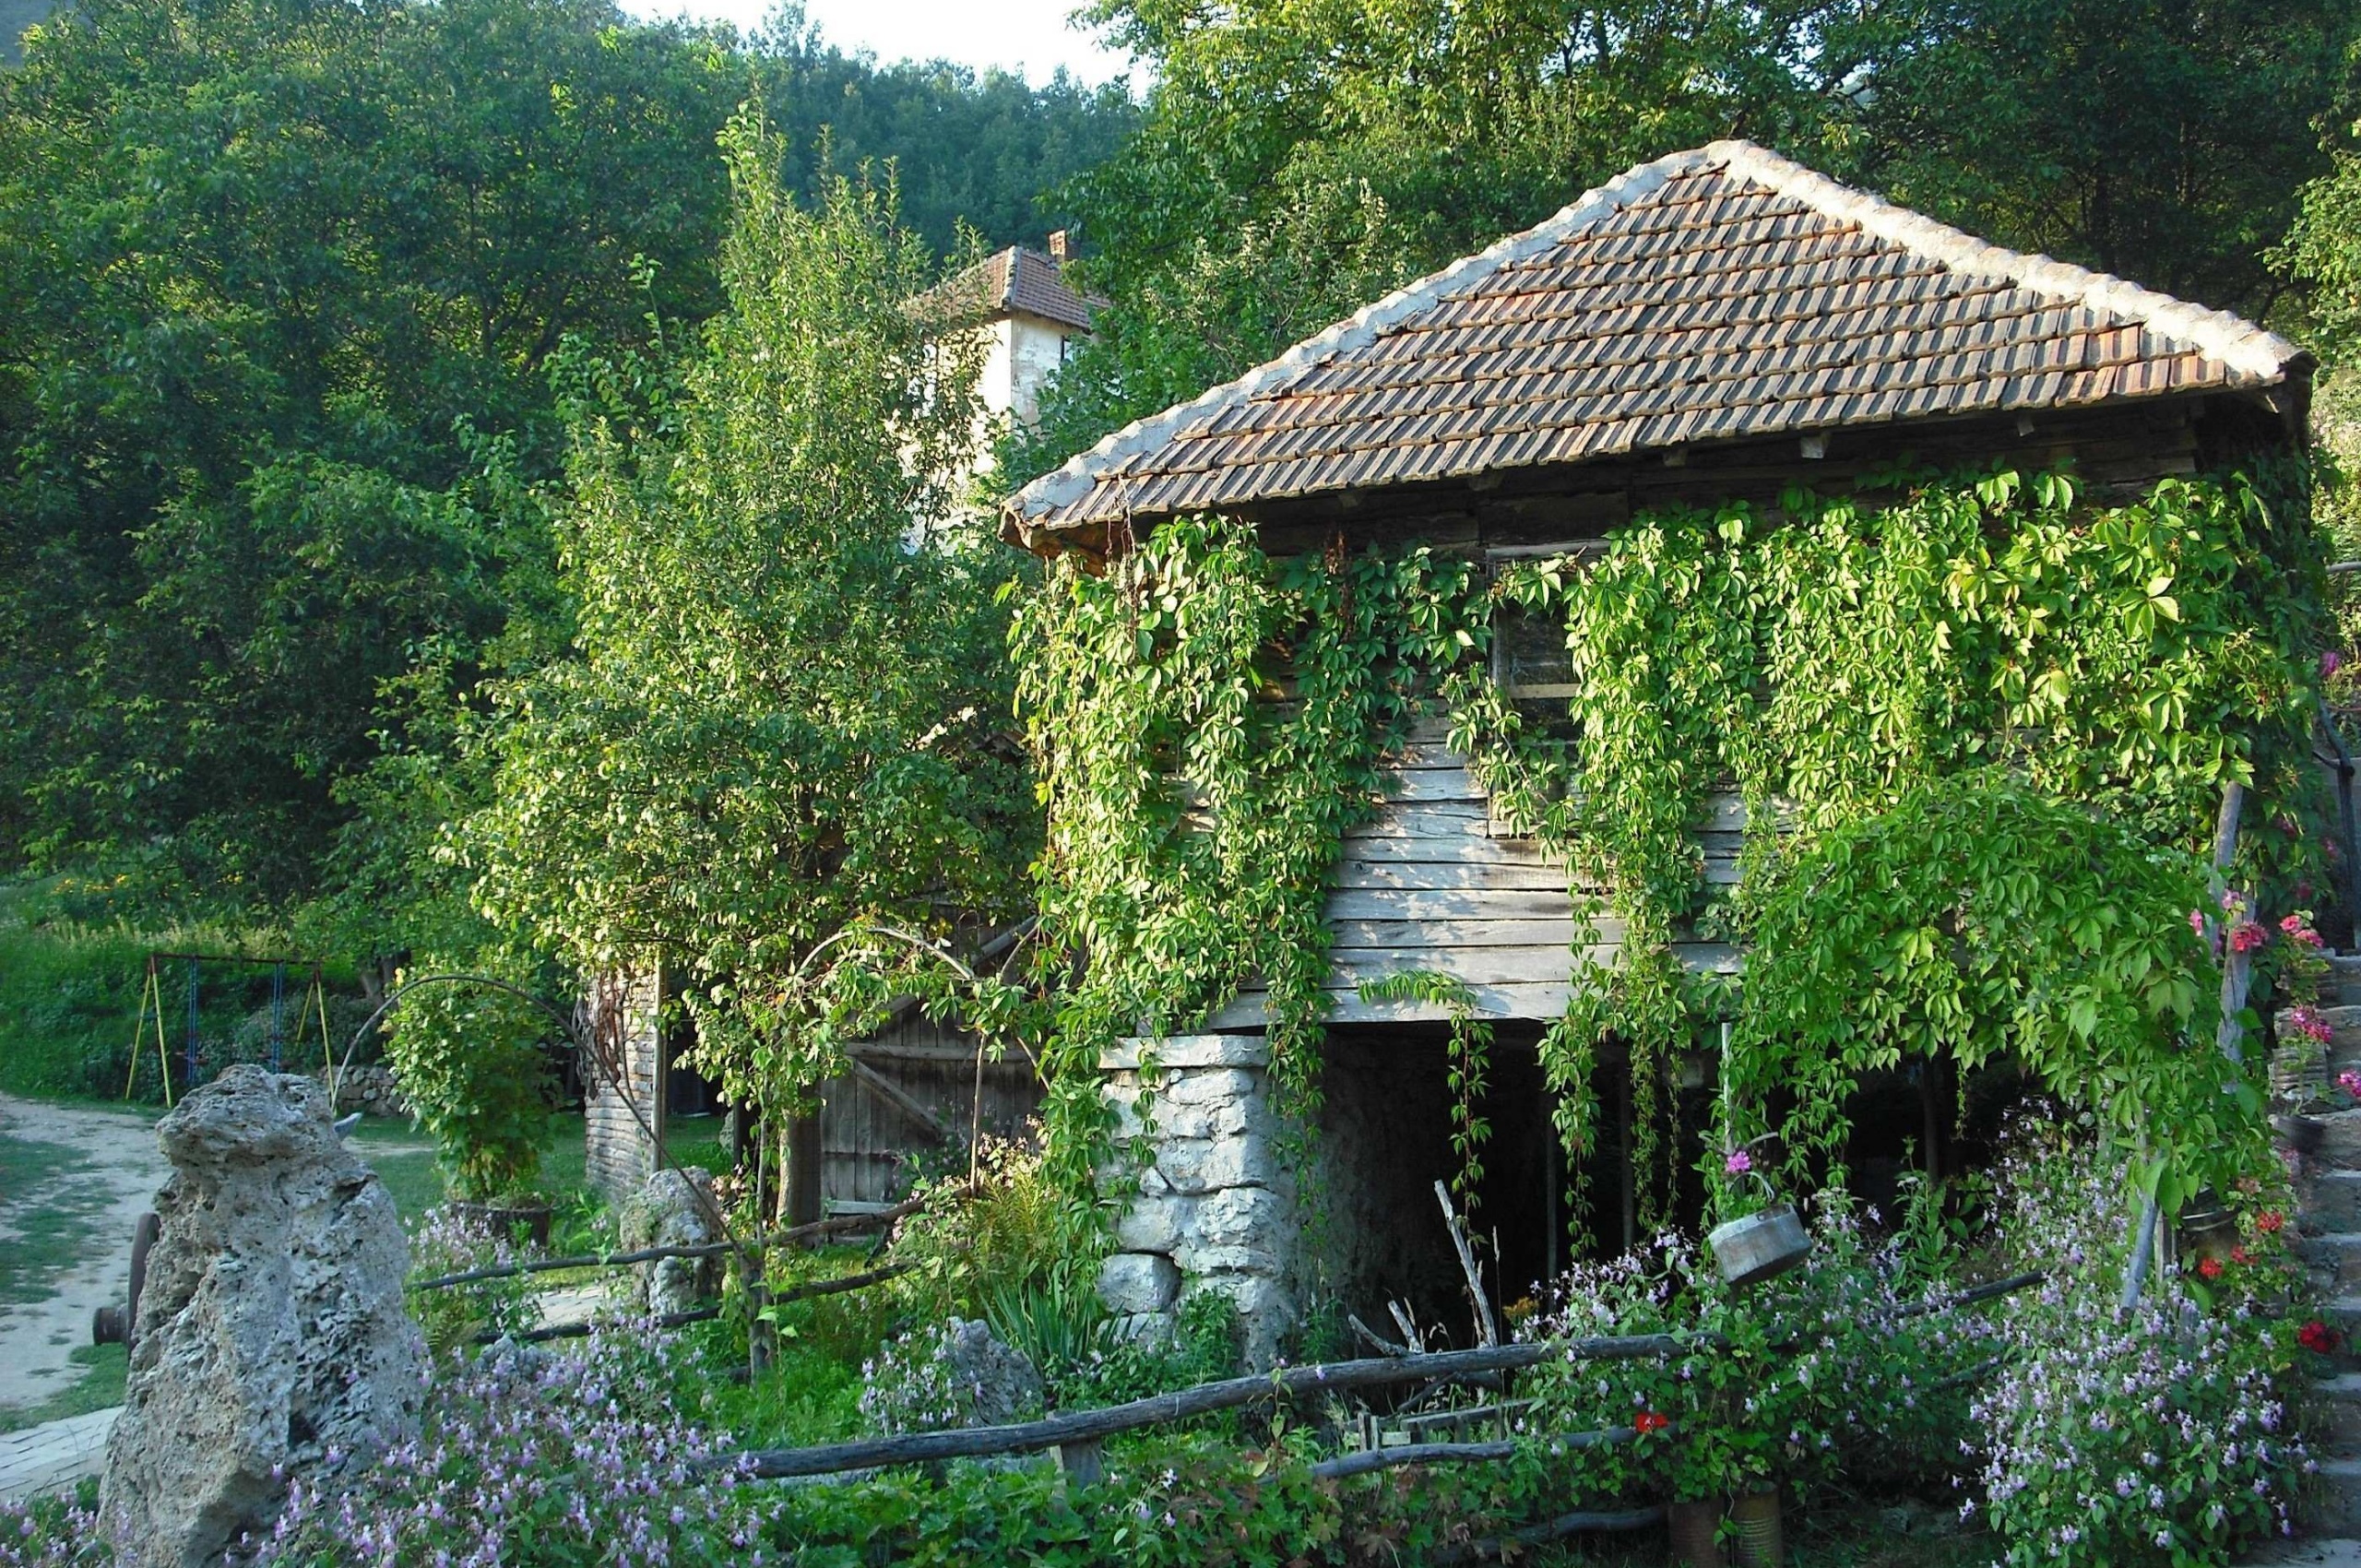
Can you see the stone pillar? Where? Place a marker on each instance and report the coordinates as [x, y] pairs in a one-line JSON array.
[[1215, 1209]]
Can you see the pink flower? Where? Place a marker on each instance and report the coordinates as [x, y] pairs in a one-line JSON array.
[[2246, 937], [2350, 1082], [2306, 1020], [2331, 662], [1738, 1163], [2197, 921]]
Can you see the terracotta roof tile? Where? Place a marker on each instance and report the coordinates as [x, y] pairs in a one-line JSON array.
[[1723, 292]]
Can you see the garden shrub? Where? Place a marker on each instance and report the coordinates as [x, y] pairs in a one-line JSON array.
[[50, 1533], [914, 1384], [533, 1459], [1835, 1366], [1203, 1347], [1009, 1232], [454, 1316], [2161, 1434], [472, 1063]]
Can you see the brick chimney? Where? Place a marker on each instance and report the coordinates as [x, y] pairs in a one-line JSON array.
[[1057, 247]]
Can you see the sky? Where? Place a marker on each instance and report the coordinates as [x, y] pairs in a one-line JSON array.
[[1029, 37]]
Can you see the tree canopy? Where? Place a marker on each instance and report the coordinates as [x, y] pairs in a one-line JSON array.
[[277, 401], [785, 711]]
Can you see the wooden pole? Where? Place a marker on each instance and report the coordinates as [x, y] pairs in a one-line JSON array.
[[802, 1194], [1291, 1383], [1486, 1324]]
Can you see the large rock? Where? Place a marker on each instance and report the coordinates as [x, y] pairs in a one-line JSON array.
[[271, 1337], [675, 1209], [1001, 1382]]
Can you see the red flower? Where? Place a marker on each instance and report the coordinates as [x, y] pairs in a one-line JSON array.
[[2239, 1256], [2210, 1267], [2268, 1221], [1648, 1421], [2317, 1337]]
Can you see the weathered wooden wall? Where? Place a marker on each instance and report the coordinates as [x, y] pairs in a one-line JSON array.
[[911, 1095], [1433, 883], [620, 1019]]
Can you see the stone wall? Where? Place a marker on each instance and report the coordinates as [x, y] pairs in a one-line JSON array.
[[1215, 1209]]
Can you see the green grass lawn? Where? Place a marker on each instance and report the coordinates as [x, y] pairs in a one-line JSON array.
[[99, 1388]]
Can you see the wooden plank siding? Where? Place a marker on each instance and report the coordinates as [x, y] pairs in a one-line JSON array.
[[874, 1132], [1434, 884]]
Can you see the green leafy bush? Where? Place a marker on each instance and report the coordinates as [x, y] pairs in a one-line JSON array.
[[472, 1061], [453, 1316], [2161, 1434], [1007, 1234]]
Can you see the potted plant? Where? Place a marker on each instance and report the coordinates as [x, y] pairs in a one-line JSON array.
[[474, 1066], [1765, 1240]]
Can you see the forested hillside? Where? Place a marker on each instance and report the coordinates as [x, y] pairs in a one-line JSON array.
[[310, 303], [299, 299]]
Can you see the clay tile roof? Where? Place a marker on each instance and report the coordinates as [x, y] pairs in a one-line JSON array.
[[1018, 280], [1717, 293]]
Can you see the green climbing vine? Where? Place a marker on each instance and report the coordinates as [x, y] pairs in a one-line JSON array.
[[1848, 673], [1466, 1069], [1206, 724]]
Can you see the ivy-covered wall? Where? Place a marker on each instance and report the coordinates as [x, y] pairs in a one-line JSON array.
[[2070, 685]]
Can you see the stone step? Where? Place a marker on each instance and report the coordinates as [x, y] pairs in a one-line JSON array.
[[2339, 1413], [2335, 1141], [2327, 1202], [2335, 1258], [2333, 1505]]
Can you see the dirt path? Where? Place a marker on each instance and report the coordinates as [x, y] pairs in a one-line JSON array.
[[95, 1172]]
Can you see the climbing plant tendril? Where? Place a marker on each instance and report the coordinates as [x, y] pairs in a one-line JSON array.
[[1873, 677]]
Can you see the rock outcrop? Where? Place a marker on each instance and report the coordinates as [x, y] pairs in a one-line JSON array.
[[674, 1209], [272, 1340]]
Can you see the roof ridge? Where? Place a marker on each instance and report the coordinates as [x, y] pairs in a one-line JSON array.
[[2221, 335], [1072, 479]]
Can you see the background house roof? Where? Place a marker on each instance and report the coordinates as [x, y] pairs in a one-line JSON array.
[[1026, 281], [1716, 293]]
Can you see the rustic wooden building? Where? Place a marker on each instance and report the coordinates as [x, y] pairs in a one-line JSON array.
[[1720, 324], [913, 1094]]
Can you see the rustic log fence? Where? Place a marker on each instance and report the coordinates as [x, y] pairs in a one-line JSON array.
[[1077, 1436]]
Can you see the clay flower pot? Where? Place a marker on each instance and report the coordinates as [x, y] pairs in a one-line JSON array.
[[1694, 1530]]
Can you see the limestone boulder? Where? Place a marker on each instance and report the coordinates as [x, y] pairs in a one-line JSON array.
[[1001, 1382], [1134, 1283], [272, 1342], [675, 1209]]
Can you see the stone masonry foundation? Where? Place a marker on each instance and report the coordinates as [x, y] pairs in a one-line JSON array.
[[1215, 1209]]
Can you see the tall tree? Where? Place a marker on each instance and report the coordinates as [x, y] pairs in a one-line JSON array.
[[2163, 140], [785, 713], [276, 404]]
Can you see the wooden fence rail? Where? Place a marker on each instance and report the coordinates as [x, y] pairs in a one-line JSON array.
[[1078, 1434], [833, 1225], [1090, 1427]]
